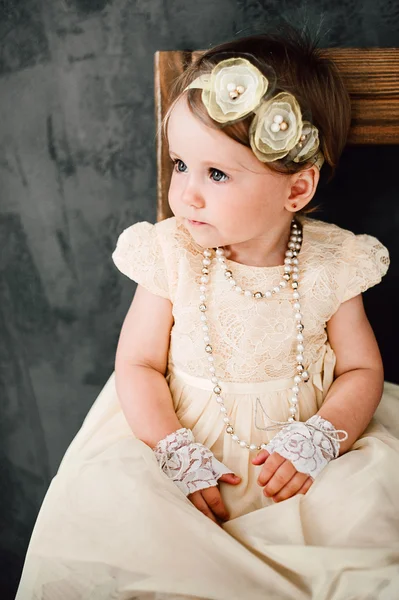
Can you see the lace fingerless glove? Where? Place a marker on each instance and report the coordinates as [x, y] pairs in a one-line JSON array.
[[192, 466], [309, 446]]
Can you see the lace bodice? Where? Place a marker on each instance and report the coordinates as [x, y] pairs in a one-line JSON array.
[[252, 340]]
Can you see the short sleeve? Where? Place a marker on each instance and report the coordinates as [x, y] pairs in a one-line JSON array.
[[139, 255], [366, 261]]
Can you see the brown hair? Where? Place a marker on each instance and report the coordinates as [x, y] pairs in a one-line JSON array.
[[300, 70]]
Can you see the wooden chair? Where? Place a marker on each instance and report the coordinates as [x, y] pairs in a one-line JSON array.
[[371, 76]]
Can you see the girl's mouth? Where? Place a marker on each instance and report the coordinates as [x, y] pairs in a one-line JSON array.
[[196, 223]]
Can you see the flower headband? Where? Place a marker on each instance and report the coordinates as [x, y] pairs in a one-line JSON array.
[[235, 87]]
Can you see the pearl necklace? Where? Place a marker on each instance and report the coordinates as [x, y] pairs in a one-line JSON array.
[[291, 273]]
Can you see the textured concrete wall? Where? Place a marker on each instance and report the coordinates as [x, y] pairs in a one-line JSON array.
[[77, 165]]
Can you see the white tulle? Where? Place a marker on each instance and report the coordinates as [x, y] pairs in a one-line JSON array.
[[191, 466], [308, 446]]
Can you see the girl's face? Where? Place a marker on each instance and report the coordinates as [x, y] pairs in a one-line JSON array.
[[223, 193]]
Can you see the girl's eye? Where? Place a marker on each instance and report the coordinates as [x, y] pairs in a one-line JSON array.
[[216, 175], [220, 175], [176, 162]]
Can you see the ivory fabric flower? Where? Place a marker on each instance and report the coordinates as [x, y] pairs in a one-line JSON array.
[[307, 145], [276, 127], [233, 89]]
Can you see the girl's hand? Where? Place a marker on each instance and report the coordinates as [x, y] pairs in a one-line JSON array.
[[280, 477], [209, 500]]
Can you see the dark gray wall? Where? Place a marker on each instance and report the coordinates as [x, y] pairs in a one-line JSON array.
[[77, 165]]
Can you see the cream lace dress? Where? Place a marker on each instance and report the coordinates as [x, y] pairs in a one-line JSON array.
[[112, 525]]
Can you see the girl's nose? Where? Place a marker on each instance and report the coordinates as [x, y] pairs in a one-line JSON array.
[[192, 196]]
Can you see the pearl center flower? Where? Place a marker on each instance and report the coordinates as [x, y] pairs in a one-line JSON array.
[[235, 90], [302, 138], [279, 124]]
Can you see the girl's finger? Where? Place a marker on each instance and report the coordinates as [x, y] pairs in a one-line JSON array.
[[280, 478], [199, 502], [260, 458], [269, 468], [292, 487], [308, 483], [214, 501], [230, 478]]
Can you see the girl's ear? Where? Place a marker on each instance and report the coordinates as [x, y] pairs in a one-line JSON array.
[[302, 189]]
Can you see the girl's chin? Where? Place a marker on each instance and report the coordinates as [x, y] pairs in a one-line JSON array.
[[203, 236]]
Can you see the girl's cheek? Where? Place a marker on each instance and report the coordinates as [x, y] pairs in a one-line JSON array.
[[173, 195]]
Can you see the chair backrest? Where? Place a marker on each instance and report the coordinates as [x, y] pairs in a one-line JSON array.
[[371, 76]]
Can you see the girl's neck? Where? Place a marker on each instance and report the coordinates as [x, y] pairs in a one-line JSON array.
[[267, 250]]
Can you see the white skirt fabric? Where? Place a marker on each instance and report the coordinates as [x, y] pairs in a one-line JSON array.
[[113, 526]]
